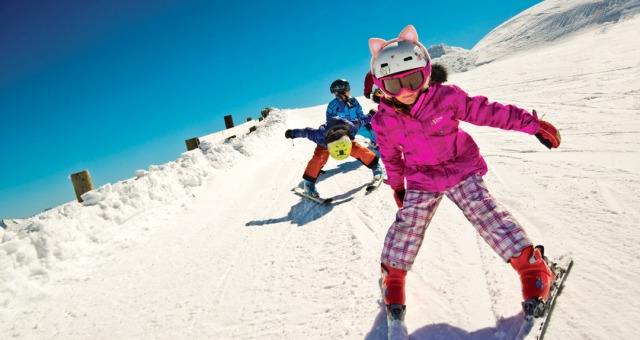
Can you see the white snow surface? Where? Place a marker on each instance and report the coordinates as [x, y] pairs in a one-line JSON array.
[[550, 21], [215, 246], [455, 59]]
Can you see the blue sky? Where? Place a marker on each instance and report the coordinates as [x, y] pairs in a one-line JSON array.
[[115, 86]]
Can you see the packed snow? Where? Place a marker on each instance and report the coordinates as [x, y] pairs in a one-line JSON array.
[[215, 246]]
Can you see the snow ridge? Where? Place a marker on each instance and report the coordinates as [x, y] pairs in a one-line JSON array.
[[36, 250], [549, 21]]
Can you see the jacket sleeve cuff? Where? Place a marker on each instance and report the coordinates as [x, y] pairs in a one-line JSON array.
[[395, 184], [533, 127]]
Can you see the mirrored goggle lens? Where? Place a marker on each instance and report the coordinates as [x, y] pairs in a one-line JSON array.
[[413, 81], [338, 89], [392, 85]]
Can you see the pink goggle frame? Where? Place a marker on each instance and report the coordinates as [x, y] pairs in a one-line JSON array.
[[409, 81]]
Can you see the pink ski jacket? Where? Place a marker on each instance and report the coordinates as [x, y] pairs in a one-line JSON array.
[[428, 149]]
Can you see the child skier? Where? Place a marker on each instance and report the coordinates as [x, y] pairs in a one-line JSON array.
[[369, 91], [420, 142], [347, 107], [334, 138], [368, 85]]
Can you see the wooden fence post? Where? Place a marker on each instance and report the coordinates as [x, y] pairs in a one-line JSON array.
[[82, 183], [253, 128], [228, 121], [192, 143], [265, 112]]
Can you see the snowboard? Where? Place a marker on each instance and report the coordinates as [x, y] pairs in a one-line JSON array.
[[534, 328], [300, 192]]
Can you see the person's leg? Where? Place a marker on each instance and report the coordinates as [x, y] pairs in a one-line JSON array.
[[403, 241], [364, 155], [495, 224], [367, 133], [503, 234], [319, 159], [368, 158]]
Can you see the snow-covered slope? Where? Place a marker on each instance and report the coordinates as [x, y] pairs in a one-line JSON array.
[[214, 246], [549, 21], [455, 59]]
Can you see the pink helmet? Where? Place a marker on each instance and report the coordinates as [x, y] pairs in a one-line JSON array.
[[397, 58]]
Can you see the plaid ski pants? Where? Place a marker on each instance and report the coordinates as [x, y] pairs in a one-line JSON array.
[[496, 225]]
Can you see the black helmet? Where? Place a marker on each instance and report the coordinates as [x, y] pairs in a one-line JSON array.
[[336, 128], [339, 86]]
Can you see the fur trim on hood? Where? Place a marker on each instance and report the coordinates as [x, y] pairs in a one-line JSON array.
[[438, 74]]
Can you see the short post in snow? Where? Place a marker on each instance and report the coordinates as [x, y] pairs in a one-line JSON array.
[[228, 121], [265, 112], [192, 143], [253, 128], [82, 183]]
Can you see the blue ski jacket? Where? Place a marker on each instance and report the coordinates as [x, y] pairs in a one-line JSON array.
[[350, 110]]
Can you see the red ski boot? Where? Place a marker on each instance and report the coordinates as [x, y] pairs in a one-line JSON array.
[[536, 278], [392, 286]]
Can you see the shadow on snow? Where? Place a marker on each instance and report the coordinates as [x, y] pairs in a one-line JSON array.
[[505, 328], [305, 210]]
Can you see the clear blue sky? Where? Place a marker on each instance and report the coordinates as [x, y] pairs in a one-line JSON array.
[[114, 86]]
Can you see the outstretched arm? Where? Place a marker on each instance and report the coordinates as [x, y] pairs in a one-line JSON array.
[[314, 135], [480, 111], [364, 119], [296, 133]]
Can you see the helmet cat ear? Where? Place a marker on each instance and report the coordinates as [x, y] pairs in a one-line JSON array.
[[375, 45], [409, 33]]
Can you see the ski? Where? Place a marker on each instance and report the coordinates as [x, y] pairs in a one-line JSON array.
[[534, 328], [373, 185], [324, 201]]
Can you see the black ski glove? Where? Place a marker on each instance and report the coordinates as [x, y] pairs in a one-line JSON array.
[[288, 134], [398, 196]]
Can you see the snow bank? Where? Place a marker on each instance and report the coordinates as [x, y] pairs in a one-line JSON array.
[[39, 249], [550, 21]]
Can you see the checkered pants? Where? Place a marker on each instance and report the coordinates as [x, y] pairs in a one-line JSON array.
[[496, 225]]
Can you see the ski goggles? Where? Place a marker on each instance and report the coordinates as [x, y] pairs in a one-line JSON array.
[[341, 89], [409, 81]]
